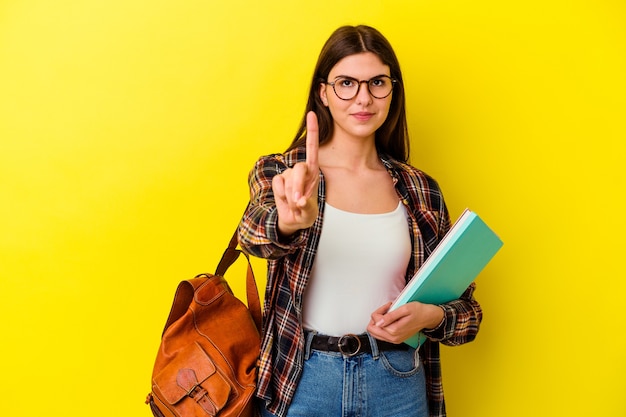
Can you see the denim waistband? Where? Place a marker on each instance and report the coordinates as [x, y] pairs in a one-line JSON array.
[[349, 344]]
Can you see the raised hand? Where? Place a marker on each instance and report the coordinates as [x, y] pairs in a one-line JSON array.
[[295, 189]]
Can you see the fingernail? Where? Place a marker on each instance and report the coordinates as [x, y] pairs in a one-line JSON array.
[[380, 322]]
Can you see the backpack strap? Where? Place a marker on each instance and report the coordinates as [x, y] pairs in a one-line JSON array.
[[230, 255]]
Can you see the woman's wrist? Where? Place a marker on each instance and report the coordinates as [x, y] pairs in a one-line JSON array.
[[285, 232], [436, 314]]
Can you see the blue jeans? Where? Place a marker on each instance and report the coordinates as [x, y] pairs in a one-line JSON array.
[[381, 384]]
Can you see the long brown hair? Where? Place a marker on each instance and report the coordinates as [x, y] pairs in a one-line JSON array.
[[392, 137]]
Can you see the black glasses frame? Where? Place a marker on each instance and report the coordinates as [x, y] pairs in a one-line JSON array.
[[393, 82]]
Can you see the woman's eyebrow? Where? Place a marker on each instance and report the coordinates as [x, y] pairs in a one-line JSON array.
[[354, 78]]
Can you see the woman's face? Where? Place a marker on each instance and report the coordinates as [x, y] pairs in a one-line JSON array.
[[361, 116]]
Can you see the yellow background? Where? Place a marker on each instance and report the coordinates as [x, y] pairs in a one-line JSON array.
[[128, 127]]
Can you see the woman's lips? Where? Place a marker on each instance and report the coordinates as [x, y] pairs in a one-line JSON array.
[[362, 116]]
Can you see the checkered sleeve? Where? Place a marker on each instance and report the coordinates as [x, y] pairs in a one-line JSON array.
[[461, 320]]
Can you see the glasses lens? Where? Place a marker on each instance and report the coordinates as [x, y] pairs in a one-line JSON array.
[[346, 88], [380, 87]]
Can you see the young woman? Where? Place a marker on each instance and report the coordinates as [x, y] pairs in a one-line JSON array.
[[344, 222]]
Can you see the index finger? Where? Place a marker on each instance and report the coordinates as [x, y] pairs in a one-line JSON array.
[[312, 140]]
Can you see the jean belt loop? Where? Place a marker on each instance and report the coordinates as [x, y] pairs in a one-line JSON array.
[[308, 338], [374, 345]]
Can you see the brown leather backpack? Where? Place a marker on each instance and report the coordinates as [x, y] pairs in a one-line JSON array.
[[207, 360]]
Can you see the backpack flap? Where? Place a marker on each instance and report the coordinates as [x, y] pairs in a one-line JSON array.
[[191, 382]]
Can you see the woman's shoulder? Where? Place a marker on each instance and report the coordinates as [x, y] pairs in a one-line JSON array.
[[286, 159], [421, 190], [409, 172]]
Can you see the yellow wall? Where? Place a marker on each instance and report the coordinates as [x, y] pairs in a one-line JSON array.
[[127, 129]]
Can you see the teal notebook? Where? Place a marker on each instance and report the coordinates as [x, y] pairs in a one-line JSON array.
[[456, 261]]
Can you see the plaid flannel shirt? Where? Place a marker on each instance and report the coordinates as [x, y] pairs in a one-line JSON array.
[[289, 266]]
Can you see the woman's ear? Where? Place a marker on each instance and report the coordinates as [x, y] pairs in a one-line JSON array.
[[323, 96]]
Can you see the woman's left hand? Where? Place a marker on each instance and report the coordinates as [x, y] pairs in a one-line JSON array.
[[405, 321]]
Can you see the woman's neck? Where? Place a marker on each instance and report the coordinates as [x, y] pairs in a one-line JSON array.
[[352, 154]]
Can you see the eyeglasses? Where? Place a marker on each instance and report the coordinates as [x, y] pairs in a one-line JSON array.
[[347, 88]]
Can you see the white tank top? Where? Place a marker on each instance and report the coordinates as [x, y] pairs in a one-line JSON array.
[[360, 265]]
